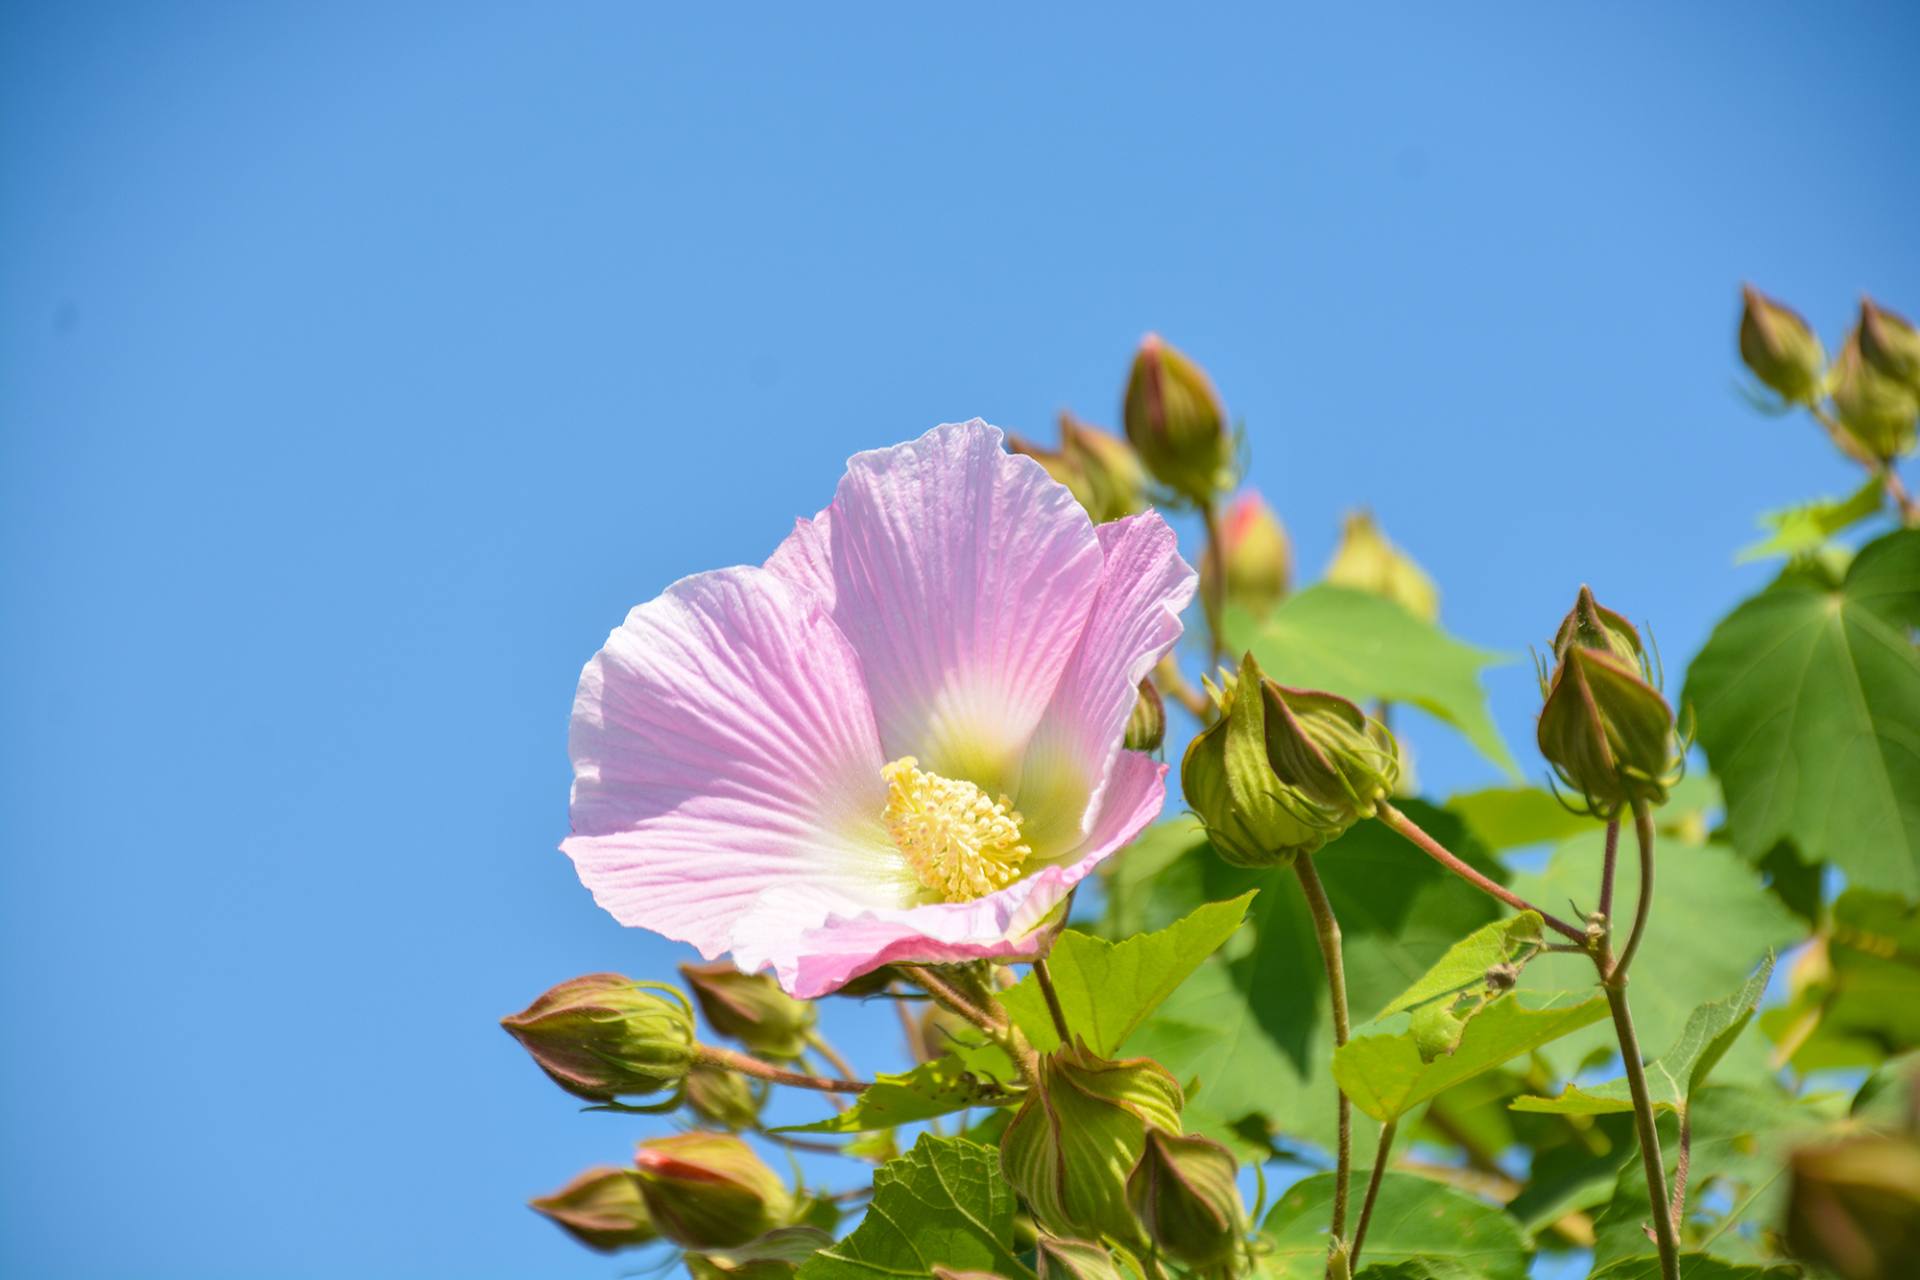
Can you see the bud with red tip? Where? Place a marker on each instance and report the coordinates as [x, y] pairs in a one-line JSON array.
[[750, 1008], [709, 1191], [1890, 343], [1366, 561], [1070, 1147], [1184, 1193], [1176, 425], [1779, 347], [1878, 413], [602, 1209], [1257, 557], [1605, 727], [605, 1036]]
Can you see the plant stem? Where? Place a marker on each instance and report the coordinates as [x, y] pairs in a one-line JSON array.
[[1167, 676], [997, 1028], [1643, 833], [1909, 509], [750, 1066], [832, 1055], [1414, 833], [1213, 600], [1373, 1193], [1682, 1162], [1607, 866], [1644, 1125], [1059, 1015], [1326, 928]]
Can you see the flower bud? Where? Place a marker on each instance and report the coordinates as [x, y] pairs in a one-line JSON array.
[[1592, 625], [601, 1208], [1251, 819], [1147, 725], [1366, 561], [1184, 1194], [1176, 425], [1330, 752], [709, 1191], [1100, 469], [1604, 726], [1877, 412], [721, 1097], [604, 1036], [1889, 343], [1854, 1206], [1258, 560], [1056, 1258], [750, 1008], [1779, 347], [1070, 1147]]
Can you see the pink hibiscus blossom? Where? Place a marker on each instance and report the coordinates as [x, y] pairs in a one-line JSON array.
[[897, 741]]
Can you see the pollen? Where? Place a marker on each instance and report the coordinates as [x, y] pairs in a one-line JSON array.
[[960, 842]]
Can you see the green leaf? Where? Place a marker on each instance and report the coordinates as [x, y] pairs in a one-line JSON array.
[[1712, 922], [1807, 527], [1467, 961], [1414, 1220], [1107, 989], [1513, 817], [1385, 1077], [935, 1088], [1694, 1266], [1369, 649], [1737, 1189], [1807, 702], [1253, 1025], [944, 1203], [1868, 1004], [1674, 1075]]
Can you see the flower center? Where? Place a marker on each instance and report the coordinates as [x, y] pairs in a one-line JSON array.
[[961, 843]]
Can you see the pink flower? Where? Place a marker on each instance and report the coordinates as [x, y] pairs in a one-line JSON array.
[[899, 740]]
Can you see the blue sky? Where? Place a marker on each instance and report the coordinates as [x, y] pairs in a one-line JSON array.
[[360, 365]]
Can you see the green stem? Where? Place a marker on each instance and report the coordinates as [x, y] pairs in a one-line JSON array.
[[1418, 837], [1058, 1014], [1606, 869], [1373, 1193], [1326, 928], [1643, 832], [731, 1060]]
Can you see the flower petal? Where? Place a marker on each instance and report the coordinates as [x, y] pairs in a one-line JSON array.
[[804, 556], [963, 575], [722, 742], [1144, 584], [816, 940]]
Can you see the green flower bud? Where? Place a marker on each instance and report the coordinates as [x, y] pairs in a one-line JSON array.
[[1257, 557], [1184, 1194], [1070, 1147], [1330, 752], [708, 1191], [604, 1036], [1056, 1258], [1779, 347], [1251, 819], [1889, 343], [721, 1097], [1102, 470], [1877, 412], [601, 1208], [1176, 425], [1604, 727], [750, 1008], [1147, 725], [1854, 1206], [1366, 561], [1592, 625]]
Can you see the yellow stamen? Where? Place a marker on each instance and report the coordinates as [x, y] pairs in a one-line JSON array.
[[960, 843]]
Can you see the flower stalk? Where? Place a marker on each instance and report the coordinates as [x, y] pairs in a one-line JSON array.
[[746, 1065], [1326, 930], [1417, 835]]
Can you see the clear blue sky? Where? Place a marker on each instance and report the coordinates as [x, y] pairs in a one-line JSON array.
[[360, 365]]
